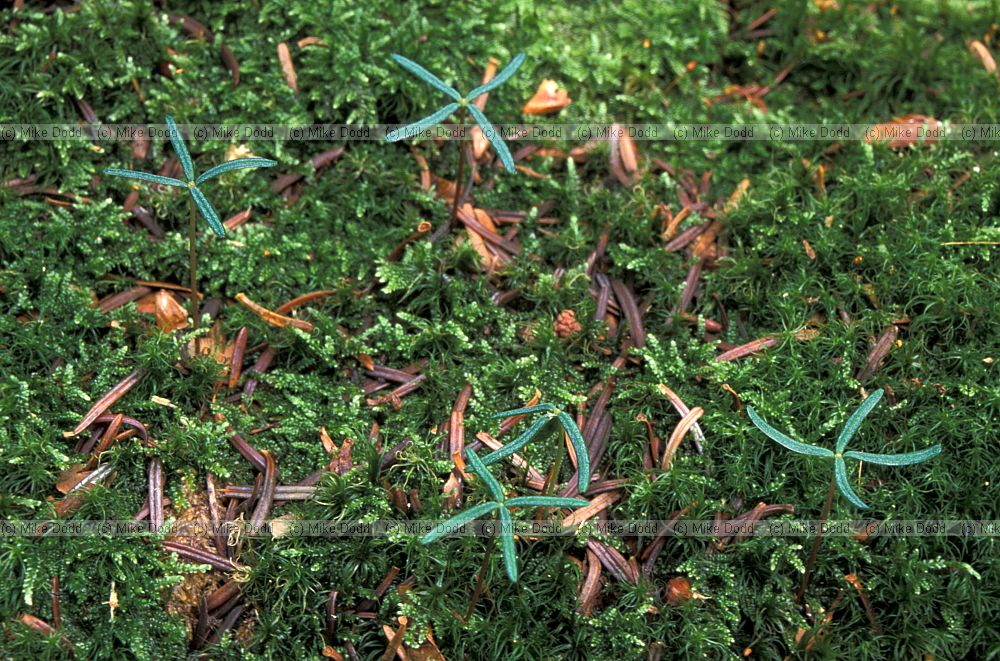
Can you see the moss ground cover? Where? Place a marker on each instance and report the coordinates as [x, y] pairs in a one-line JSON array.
[[831, 246]]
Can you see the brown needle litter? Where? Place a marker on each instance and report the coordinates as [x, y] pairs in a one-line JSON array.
[[236, 360], [878, 353], [456, 423], [199, 556], [271, 317], [105, 402], [263, 508], [626, 299], [752, 347], [396, 395], [683, 410], [156, 481], [108, 439], [613, 561], [678, 434]]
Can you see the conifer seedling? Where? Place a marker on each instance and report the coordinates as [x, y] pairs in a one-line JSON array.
[[501, 504], [846, 434], [464, 105], [839, 480], [197, 197], [567, 423]]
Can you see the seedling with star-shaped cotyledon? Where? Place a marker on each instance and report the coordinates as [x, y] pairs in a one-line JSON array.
[[197, 197], [838, 456], [463, 104], [500, 502]]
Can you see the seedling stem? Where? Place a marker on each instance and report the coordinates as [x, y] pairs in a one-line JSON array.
[[193, 263]]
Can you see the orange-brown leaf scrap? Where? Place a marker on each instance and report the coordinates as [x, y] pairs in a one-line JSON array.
[[905, 131], [548, 99]]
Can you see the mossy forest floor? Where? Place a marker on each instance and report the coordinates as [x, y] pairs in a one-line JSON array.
[[830, 247]]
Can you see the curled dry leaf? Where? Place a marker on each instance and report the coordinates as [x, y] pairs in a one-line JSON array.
[[678, 591], [549, 98], [905, 131], [287, 66], [983, 55], [170, 315]]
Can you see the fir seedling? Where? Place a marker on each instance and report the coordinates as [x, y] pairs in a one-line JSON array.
[[567, 423], [197, 197], [502, 504], [463, 104], [839, 480], [846, 434]]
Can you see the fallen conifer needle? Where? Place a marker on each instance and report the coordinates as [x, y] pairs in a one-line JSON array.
[[272, 317]]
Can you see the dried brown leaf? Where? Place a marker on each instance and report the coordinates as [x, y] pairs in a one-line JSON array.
[[549, 98], [170, 315]]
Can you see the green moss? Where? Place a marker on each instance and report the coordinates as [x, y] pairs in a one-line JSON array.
[[894, 210]]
